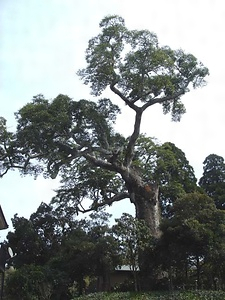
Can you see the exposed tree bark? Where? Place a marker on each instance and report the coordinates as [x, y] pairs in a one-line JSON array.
[[148, 208], [145, 197]]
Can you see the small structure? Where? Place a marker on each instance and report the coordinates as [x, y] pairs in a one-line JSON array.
[[3, 223], [120, 276]]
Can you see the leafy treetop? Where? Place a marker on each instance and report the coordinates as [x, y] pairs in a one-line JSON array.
[[138, 70]]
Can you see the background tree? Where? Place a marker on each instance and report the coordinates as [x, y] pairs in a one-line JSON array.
[[133, 236], [214, 267], [26, 243], [28, 282], [85, 249], [76, 139], [37, 239], [106, 252], [213, 179], [75, 258], [36, 242], [189, 236]]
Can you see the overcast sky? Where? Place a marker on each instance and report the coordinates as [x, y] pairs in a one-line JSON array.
[[42, 45]]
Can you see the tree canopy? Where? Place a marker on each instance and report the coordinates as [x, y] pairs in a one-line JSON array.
[[137, 69]]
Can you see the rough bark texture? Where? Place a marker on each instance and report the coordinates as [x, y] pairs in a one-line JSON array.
[[148, 208], [145, 197]]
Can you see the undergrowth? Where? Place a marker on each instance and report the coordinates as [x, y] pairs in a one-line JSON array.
[[187, 295]]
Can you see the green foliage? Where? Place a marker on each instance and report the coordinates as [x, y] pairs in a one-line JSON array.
[[189, 239], [173, 166], [49, 226], [213, 179], [26, 242], [66, 251], [133, 236], [135, 67], [8, 149], [188, 295], [36, 239], [64, 136], [174, 175], [53, 131], [166, 165], [28, 283]]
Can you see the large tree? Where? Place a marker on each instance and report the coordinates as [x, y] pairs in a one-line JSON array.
[[77, 140]]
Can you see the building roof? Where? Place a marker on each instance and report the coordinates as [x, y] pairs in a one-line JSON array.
[[3, 223], [125, 268]]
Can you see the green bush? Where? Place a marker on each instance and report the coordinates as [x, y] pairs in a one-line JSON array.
[[27, 283], [187, 295]]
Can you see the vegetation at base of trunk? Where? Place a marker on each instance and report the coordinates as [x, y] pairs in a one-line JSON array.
[[187, 295]]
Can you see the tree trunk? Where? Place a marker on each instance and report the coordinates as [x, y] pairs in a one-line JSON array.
[[145, 197], [198, 272], [147, 207]]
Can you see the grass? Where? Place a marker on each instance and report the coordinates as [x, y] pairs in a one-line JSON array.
[[187, 295]]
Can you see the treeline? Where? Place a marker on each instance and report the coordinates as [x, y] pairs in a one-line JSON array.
[[59, 256]]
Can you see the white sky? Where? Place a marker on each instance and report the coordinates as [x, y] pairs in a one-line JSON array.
[[42, 45]]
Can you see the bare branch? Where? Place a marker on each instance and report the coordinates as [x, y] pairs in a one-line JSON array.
[[109, 201], [125, 99], [100, 163], [5, 172], [163, 99], [133, 138]]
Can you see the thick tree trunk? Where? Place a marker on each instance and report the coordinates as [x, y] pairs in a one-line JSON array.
[[148, 208], [145, 197]]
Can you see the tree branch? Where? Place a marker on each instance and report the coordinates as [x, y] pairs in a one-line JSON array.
[[108, 201], [125, 99], [163, 99], [5, 172], [101, 163], [133, 138]]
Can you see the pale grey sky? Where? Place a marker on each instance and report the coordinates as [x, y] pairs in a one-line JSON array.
[[42, 45]]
